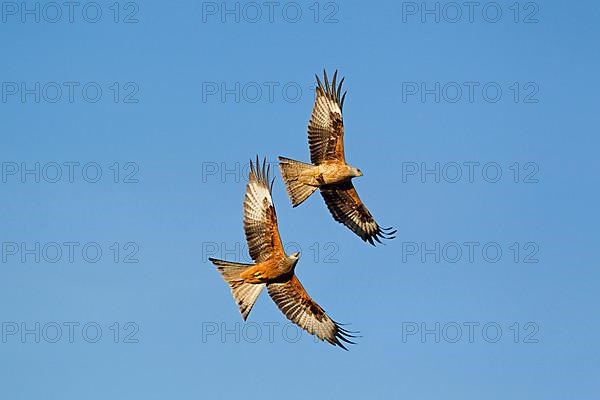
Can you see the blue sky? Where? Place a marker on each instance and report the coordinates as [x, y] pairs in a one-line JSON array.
[[124, 146]]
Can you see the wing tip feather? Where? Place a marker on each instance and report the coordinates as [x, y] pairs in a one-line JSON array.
[[261, 173], [379, 234], [334, 90], [343, 335]]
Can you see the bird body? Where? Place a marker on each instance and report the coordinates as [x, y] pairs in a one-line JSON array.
[[271, 270], [272, 267], [327, 173], [328, 170]]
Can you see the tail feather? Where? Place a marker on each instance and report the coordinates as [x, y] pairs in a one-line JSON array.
[[291, 171], [244, 294]]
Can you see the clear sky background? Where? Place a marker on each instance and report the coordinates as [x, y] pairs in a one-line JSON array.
[[435, 320]]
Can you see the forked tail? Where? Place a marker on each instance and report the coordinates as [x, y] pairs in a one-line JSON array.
[[292, 172], [245, 294]]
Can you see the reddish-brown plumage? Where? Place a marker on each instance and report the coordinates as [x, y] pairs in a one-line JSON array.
[[329, 171], [273, 268]]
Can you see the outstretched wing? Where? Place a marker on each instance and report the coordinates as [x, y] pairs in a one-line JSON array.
[[298, 307], [347, 208], [326, 125], [260, 220]]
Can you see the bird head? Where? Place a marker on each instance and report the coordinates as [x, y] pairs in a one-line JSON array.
[[357, 172], [293, 259]]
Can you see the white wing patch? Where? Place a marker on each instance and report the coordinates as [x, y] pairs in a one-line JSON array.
[[257, 194], [326, 105]]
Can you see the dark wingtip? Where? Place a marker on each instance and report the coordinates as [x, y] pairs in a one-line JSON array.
[[347, 332], [388, 233], [266, 171], [339, 344], [257, 167], [251, 170], [344, 335], [381, 233], [333, 85], [261, 172], [339, 90], [334, 91]]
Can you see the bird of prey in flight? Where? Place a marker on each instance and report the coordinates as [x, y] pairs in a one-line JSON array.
[[273, 268], [329, 172]]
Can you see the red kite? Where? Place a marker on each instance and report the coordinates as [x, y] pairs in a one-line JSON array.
[[329, 171], [273, 267]]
